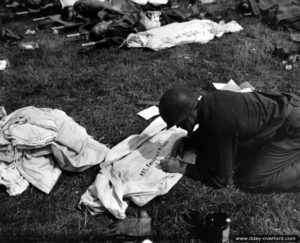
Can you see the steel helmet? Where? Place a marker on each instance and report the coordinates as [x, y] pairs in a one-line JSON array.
[[176, 105]]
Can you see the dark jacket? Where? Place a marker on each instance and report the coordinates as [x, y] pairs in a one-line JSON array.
[[228, 120]]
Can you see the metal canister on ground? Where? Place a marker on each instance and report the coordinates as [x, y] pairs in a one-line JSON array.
[[217, 228]]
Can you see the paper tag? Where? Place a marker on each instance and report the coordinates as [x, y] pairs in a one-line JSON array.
[[219, 85], [149, 112], [29, 45], [30, 32], [3, 64]]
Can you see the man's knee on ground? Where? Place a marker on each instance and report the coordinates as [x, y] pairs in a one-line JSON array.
[[263, 186]]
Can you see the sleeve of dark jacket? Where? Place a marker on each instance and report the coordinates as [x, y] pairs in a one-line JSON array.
[[216, 152]]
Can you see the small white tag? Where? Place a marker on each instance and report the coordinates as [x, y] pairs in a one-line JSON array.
[[149, 112], [232, 86], [3, 64]]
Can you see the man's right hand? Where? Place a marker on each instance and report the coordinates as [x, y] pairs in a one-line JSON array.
[[178, 148]]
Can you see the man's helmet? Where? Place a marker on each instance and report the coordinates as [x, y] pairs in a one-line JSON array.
[[176, 105]]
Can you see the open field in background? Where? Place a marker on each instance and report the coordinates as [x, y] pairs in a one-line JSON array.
[[100, 89]]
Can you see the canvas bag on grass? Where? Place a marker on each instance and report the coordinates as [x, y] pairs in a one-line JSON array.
[[131, 171], [194, 31]]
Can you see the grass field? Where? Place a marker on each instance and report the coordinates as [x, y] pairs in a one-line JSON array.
[[101, 89]]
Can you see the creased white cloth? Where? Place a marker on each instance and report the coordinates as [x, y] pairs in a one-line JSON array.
[[194, 31], [65, 3], [11, 178], [42, 141], [131, 171], [154, 2]]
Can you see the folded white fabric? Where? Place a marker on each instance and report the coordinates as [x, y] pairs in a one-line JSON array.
[[131, 171], [65, 3], [42, 172], [11, 178], [45, 141], [154, 2], [194, 31]]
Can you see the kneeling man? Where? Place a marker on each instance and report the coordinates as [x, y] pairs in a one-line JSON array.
[[251, 139]]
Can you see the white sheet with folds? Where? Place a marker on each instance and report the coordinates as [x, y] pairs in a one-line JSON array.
[[131, 171], [194, 31], [154, 2], [36, 144]]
